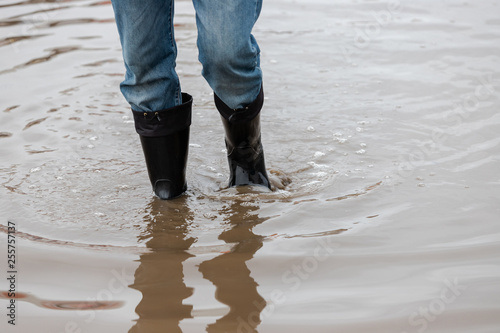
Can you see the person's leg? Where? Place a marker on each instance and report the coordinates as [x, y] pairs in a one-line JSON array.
[[231, 65], [162, 114], [227, 49], [149, 52]]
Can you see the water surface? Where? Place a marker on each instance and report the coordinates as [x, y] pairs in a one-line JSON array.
[[381, 134]]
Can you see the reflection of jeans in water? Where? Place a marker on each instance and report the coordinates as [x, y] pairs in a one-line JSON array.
[[227, 50]]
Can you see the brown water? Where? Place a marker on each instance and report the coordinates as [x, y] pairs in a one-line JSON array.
[[381, 132]]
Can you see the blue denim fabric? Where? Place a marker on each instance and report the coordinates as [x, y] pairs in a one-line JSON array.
[[227, 50]]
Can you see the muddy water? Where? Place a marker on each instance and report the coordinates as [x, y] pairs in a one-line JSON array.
[[381, 133]]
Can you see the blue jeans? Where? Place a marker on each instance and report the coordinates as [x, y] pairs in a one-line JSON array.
[[227, 50]]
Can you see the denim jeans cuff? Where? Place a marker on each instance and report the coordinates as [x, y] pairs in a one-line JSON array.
[[164, 122], [240, 115]]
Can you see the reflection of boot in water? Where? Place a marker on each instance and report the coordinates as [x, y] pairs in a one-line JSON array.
[[245, 153], [159, 276], [231, 276]]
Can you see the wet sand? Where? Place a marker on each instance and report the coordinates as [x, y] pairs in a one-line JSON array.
[[381, 134]]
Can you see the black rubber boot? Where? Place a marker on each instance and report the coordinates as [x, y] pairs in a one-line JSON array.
[[165, 141], [245, 153]]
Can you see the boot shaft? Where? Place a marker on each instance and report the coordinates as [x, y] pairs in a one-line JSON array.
[[243, 142], [164, 138]]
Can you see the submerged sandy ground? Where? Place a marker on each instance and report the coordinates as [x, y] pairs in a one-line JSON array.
[[383, 115]]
